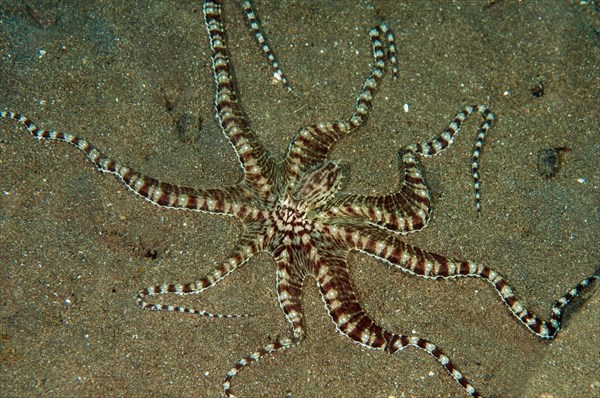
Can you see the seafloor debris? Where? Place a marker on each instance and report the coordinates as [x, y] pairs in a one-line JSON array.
[[44, 17], [550, 160], [537, 89]]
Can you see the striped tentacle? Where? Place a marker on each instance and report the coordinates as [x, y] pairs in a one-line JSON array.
[[350, 319], [259, 167], [407, 210], [271, 348], [392, 54], [342, 304], [290, 279], [398, 342], [364, 101], [255, 25], [289, 293], [420, 262], [216, 201], [246, 248], [444, 140], [312, 144]]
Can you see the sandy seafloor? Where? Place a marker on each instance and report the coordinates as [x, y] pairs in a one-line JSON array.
[[134, 78]]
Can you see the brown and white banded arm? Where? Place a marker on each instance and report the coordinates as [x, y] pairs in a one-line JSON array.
[[407, 210], [289, 295], [312, 144], [255, 25], [163, 194], [419, 262], [352, 321], [251, 243], [446, 138], [256, 162]]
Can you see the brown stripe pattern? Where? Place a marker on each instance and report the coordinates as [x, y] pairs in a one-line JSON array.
[[294, 210]]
